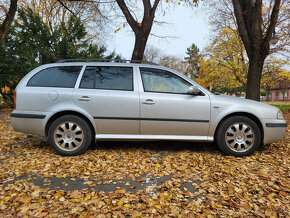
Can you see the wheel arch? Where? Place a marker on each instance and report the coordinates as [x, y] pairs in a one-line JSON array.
[[245, 114], [68, 112]]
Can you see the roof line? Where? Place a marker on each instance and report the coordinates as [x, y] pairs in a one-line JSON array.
[[106, 60]]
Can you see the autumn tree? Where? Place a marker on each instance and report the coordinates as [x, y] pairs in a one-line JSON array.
[[256, 34], [275, 73], [223, 16], [8, 19], [225, 66]]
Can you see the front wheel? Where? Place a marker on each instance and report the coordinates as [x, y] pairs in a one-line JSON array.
[[238, 136], [70, 135]]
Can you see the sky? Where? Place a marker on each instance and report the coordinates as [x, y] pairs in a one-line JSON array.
[[185, 26]]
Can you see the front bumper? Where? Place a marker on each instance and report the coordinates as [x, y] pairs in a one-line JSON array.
[[274, 130]]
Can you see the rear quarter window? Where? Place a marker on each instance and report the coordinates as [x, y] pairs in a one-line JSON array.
[[63, 77]]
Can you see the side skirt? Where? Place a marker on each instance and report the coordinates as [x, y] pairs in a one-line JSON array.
[[153, 137]]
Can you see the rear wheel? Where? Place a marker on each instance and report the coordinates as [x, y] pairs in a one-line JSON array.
[[70, 135], [238, 136]]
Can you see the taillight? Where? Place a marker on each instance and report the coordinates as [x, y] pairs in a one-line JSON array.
[[15, 100]]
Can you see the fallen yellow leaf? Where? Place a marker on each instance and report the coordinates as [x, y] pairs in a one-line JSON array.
[[7, 198], [75, 200], [87, 197]]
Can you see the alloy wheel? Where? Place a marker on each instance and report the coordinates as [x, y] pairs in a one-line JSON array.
[[240, 137], [68, 136]]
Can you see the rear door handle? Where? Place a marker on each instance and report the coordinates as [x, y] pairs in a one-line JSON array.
[[84, 98], [148, 102]]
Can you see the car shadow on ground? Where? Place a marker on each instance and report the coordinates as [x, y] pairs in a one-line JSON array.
[[153, 146], [167, 146], [159, 146]]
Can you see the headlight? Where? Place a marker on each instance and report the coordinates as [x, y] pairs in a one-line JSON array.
[[280, 115]]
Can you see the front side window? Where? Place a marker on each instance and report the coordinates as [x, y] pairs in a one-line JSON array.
[[112, 78], [156, 80], [63, 77]]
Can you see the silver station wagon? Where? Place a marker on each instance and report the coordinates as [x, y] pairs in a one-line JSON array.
[[77, 102]]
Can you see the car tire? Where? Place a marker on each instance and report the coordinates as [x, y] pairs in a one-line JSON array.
[[238, 136], [70, 135]]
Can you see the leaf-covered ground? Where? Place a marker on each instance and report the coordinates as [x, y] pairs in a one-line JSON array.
[[118, 179]]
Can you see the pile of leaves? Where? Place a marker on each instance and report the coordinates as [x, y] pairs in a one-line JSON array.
[[140, 179]]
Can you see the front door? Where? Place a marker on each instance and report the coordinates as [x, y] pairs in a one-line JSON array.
[[167, 109]]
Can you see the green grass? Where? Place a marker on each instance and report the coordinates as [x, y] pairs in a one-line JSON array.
[[282, 107]]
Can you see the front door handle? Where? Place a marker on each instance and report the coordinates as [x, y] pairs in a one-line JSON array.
[[84, 98], [148, 102]]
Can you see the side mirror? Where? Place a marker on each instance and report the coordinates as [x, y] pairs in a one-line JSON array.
[[193, 90]]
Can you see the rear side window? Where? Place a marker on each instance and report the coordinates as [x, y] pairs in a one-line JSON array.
[[63, 77], [112, 78]]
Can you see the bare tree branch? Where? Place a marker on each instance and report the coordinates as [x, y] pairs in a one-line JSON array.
[[273, 22], [66, 7], [130, 19]]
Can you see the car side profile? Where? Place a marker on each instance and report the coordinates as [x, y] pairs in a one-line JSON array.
[[77, 102]]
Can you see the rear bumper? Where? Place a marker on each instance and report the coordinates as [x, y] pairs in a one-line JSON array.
[[29, 122], [274, 130]]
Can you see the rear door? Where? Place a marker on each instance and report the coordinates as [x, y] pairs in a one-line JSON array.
[[108, 94], [167, 109]]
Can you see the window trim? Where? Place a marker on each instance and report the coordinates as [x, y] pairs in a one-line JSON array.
[[126, 90], [172, 93], [61, 87]]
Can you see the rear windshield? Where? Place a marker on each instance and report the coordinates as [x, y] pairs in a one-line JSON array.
[[63, 77]]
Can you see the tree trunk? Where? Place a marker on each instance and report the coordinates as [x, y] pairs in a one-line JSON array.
[[254, 78], [268, 94], [139, 48], [256, 40], [5, 26]]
